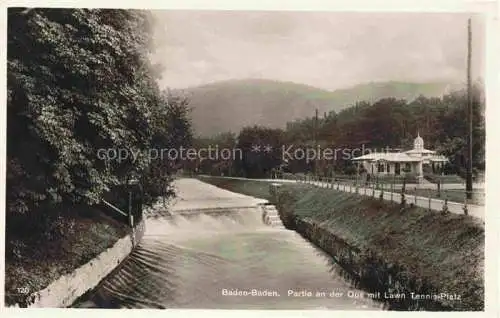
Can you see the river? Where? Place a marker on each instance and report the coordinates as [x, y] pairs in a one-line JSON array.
[[223, 261]]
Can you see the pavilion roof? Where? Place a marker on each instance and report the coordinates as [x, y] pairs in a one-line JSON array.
[[387, 156], [438, 159], [416, 151]]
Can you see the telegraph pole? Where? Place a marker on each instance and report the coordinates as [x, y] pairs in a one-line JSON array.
[[468, 185], [315, 141]]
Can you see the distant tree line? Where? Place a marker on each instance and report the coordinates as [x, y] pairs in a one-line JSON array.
[[388, 122], [80, 80]]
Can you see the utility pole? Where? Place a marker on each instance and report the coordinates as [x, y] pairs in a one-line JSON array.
[[468, 185], [315, 142]]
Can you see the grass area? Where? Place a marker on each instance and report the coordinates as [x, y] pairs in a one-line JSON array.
[[33, 261], [452, 195], [446, 250], [382, 179], [254, 188], [388, 179], [444, 179]]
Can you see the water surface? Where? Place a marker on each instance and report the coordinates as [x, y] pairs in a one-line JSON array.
[[223, 260]]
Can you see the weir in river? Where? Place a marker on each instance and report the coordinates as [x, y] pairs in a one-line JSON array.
[[212, 250]]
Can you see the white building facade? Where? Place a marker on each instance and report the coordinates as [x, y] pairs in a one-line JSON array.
[[414, 161]]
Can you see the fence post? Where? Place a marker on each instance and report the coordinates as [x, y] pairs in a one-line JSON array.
[[403, 190], [430, 195], [466, 211], [445, 209], [392, 189], [130, 216], [415, 195]]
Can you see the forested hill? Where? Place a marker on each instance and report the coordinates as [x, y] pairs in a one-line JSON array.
[[232, 105]]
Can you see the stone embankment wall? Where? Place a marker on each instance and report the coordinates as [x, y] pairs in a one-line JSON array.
[[378, 259], [64, 291]]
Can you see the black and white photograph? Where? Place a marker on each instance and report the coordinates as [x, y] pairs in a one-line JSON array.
[[245, 159]]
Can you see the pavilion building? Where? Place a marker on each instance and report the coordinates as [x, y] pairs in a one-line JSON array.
[[414, 161]]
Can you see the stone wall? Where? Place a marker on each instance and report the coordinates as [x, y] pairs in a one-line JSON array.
[[66, 289]]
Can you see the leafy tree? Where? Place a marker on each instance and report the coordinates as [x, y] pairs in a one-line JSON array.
[[261, 151], [80, 82], [172, 131], [214, 163]]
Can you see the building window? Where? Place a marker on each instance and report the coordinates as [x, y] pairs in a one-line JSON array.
[[381, 167], [407, 167]]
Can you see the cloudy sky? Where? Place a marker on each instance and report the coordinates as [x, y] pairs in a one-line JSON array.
[[329, 50]]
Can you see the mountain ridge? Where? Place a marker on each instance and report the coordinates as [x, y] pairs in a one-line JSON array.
[[233, 104]]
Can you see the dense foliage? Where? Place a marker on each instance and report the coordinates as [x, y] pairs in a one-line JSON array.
[[80, 82], [387, 123]]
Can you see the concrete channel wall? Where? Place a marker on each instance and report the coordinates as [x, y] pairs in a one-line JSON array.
[[68, 288]]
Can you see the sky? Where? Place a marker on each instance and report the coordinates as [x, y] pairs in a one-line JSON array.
[[329, 50]]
